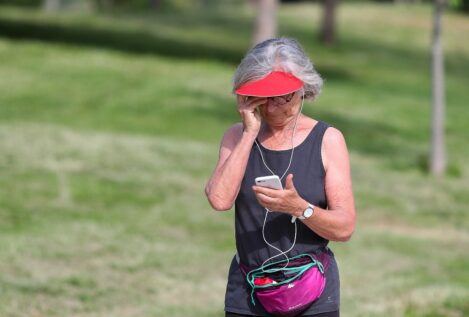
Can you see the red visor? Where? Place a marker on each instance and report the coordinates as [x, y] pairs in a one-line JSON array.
[[274, 84]]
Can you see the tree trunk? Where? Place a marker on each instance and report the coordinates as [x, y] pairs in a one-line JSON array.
[[437, 155], [266, 20], [51, 5], [327, 35]]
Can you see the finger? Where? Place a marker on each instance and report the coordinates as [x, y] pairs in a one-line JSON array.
[[266, 191], [256, 102], [265, 200], [250, 103], [241, 99], [289, 182]]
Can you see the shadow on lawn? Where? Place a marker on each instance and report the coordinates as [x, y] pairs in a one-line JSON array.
[[132, 41], [139, 41]]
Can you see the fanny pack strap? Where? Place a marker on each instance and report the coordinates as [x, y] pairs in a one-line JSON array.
[[322, 257]]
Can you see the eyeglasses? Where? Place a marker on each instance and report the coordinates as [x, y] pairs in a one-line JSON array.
[[281, 100]]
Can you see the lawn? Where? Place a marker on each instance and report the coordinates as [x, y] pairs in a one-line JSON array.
[[109, 129]]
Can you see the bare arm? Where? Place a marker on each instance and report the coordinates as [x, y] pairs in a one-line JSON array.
[[337, 223], [223, 187]]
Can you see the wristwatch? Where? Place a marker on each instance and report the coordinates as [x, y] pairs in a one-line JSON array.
[[308, 212]]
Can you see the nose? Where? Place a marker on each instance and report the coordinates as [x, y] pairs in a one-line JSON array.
[[271, 105]]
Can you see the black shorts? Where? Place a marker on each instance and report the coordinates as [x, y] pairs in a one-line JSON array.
[[329, 314]]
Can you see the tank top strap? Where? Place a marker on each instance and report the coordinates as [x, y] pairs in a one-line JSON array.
[[314, 143], [314, 139], [320, 130]]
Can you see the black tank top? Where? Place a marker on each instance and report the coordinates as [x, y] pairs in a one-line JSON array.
[[308, 177]]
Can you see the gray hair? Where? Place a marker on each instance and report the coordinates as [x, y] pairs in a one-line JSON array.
[[279, 54]]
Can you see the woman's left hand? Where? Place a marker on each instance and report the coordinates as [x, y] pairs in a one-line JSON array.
[[287, 201]]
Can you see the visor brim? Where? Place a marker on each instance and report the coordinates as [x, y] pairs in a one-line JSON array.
[[275, 84]]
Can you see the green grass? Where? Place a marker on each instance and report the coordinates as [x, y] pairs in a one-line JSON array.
[[109, 128]]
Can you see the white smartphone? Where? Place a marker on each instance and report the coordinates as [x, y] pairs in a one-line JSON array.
[[271, 181]]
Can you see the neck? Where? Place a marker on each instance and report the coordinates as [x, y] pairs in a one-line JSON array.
[[280, 128]]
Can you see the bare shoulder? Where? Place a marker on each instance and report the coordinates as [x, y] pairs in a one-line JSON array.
[[333, 137], [232, 135], [334, 147]]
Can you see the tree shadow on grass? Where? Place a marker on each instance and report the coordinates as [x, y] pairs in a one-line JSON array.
[[150, 41], [237, 29], [398, 56], [131, 41]]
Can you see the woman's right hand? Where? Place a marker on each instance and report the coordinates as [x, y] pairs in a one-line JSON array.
[[247, 108]]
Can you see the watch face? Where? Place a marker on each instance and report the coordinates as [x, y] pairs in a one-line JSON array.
[[308, 212]]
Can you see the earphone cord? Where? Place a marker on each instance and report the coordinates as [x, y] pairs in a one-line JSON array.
[[282, 253]]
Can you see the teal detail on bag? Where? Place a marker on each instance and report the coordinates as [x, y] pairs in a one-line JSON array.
[[267, 269]]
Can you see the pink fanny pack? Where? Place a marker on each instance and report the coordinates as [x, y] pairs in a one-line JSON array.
[[288, 290]]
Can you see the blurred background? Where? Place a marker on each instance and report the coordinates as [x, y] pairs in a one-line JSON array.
[[111, 113]]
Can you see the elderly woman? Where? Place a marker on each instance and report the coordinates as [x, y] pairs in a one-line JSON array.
[[310, 157]]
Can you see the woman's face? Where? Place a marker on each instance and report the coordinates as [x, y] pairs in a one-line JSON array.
[[280, 110]]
